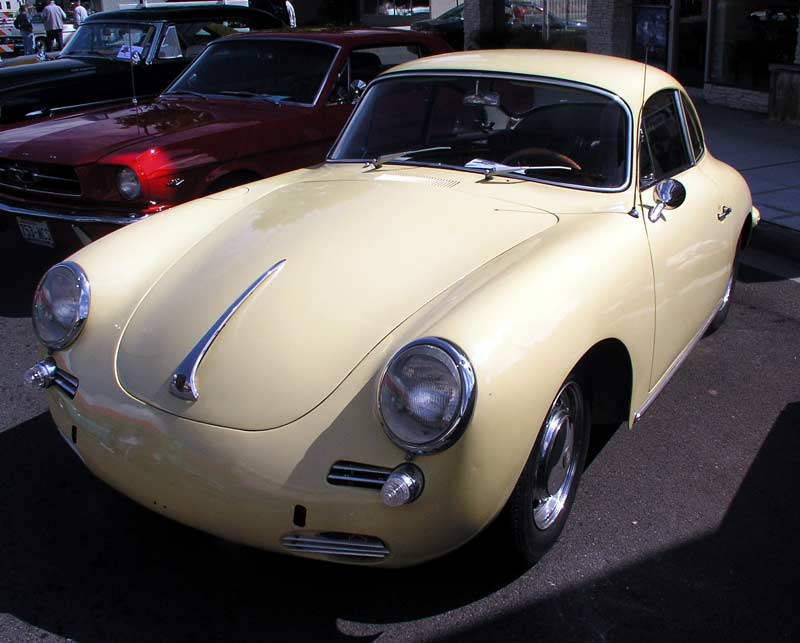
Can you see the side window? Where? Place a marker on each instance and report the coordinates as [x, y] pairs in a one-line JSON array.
[[368, 62], [194, 36], [170, 46], [663, 150], [693, 123], [341, 90]]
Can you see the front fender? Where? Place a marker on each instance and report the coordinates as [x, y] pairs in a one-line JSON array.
[[525, 320]]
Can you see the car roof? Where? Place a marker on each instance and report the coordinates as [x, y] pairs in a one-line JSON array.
[[342, 37], [620, 76], [145, 14]]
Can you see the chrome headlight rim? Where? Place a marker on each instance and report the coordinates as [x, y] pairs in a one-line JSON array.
[[82, 309], [123, 171], [460, 421]]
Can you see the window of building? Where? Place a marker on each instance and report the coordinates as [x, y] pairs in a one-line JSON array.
[[749, 35]]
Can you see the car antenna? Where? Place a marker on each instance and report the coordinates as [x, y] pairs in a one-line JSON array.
[[633, 211], [134, 100]]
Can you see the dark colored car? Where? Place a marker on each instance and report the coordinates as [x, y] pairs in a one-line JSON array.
[[116, 53], [520, 14], [251, 106]]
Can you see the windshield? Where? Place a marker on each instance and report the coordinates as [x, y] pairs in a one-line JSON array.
[[548, 132], [282, 70], [111, 40]]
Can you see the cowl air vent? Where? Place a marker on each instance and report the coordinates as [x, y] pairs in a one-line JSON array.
[[349, 546], [417, 179]]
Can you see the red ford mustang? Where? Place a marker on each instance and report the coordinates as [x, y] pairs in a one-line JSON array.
[[252, 105]]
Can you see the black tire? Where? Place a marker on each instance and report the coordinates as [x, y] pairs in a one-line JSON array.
[[541, 501], [725, 306]]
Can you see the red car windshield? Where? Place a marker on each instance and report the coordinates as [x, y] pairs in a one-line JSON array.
[[278, 70]]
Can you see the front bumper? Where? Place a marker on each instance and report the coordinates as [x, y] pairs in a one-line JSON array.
[[268, 489], [70, 216]]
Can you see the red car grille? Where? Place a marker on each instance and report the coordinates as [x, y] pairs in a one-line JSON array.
[[41, 178]]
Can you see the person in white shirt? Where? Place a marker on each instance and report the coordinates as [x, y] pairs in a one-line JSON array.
[[80, 14], [292, 15]]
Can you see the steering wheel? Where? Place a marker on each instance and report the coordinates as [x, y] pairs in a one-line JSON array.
[[540, 156]]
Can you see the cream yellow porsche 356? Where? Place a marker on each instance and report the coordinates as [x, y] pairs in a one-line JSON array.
[[371, 360]]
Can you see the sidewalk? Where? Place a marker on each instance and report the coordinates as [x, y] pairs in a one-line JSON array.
[[768, 156]]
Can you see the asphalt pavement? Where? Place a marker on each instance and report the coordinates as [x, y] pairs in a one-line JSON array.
[[684, 528]]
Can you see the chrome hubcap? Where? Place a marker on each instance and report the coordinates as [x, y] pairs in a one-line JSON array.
[[556, 459]]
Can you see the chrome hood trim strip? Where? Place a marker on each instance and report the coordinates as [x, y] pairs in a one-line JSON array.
[[184, 382]]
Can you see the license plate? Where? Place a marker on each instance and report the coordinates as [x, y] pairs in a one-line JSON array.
[[37, 232]]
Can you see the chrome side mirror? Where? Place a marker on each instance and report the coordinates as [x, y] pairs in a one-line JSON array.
[[669, 194], [357, 88]]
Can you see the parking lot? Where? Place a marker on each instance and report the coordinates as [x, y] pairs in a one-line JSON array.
[[684, 528]]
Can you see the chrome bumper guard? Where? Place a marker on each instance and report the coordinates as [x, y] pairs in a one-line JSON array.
[[45, 374], [71, 217]]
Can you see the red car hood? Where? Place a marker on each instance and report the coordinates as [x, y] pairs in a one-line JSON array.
[[89, 136]]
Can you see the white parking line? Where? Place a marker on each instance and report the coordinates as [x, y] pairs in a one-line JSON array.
[[773, 264]]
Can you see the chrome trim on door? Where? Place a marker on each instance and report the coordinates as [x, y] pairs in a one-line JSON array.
[[184, 383]]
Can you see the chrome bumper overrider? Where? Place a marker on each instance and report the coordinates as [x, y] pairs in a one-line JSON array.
[[71, 217], [45, 374]]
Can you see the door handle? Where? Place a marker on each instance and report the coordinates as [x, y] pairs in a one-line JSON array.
[[723, 213]]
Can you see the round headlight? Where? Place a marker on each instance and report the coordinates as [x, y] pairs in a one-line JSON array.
[[426, 395], [128, 183], [61, 305]]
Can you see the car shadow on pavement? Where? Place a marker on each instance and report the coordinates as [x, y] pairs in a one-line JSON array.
[[736, 584], [23, 265], [79, 560]]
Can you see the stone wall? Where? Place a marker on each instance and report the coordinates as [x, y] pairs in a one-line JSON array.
[[481, 16], [737, 98], [609, 27]]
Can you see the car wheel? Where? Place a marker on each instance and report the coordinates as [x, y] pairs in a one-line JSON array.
[[725, 306], [543, 497]]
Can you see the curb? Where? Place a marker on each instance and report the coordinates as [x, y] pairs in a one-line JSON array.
[[776, 239]]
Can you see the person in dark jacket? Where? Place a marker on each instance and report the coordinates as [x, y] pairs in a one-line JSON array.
[[25, 27]]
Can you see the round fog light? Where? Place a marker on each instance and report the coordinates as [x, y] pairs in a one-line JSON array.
[[404, 485], [41, 374]]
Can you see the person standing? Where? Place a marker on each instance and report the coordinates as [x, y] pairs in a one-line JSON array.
[[54, 17], [292, 15], [80, 14], [25, 27]]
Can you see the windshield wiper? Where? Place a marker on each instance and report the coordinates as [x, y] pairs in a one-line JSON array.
[[246, 94], [491, 168], [521, 169], [187, 92], [396, 156]]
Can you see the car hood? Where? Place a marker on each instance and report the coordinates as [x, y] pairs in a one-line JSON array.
[[18, 77], [89, 136], [361, 256]]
